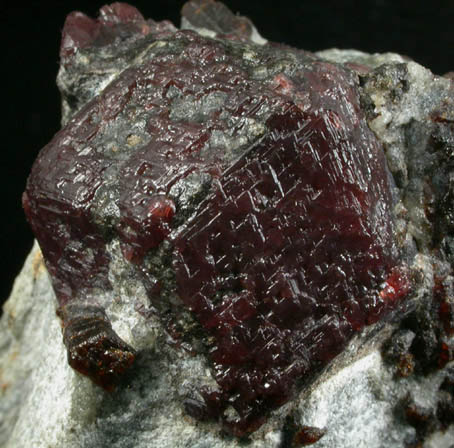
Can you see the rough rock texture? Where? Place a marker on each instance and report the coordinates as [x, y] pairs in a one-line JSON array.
[[151, 170]]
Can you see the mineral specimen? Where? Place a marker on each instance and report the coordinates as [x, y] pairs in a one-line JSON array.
[[238, 182]]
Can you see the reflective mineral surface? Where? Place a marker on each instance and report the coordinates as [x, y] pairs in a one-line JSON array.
[[242, 187]]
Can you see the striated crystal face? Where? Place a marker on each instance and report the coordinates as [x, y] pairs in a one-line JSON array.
[[245, 192], [285, 260]]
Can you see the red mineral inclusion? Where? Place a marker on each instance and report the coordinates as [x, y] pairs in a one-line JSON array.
[[289, 253]]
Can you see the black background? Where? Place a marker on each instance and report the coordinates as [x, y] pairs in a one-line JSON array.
[[29, 41]]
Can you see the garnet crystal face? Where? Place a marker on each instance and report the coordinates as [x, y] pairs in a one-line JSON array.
[[243, 189], [285, 260]]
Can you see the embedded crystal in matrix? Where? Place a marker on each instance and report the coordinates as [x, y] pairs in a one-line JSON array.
[[245, 192]]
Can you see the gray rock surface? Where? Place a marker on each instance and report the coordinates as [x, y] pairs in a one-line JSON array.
[[44, 403], [358, 400]]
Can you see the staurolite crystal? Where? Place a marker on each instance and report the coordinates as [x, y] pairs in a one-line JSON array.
[[238, 182]]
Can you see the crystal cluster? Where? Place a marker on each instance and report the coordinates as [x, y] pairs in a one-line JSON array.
[[244, 189]]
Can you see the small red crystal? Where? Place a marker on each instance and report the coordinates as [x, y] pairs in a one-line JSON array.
[[308, 435], [81, 31]]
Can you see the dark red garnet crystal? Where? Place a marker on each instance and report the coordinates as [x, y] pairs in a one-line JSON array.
[[250, 170]]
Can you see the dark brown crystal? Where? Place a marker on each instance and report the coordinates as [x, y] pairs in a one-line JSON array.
[[94, 349], [281, 252]]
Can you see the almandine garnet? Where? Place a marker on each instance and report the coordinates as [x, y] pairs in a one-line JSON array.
[[239, 183]]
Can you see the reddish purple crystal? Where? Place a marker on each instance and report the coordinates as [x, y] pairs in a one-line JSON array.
[[284, 262], [117, 20], [282, 256]]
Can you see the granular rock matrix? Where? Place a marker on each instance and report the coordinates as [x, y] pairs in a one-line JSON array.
[[238, 181]]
